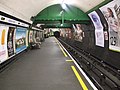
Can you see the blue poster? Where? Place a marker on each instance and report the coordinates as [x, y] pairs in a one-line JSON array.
[[20, 39], [99, 34]]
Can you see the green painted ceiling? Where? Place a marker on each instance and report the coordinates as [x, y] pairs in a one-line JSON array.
[[52, 17], [52, 14], [65, 25]]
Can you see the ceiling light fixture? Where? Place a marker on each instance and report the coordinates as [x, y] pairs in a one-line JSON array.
[[61, 25]]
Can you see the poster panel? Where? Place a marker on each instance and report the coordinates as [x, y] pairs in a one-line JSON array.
[[106, 35], [20, 39], [30, 36], [3, 43], [62, 32], [35, 35], [10, 41], [27, 38], [111, 12], [99, 35], [69, 33], [99, 38], [66, 33], [96, 20], [78, 32]]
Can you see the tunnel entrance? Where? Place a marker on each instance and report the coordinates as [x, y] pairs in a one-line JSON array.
[[57, 34]]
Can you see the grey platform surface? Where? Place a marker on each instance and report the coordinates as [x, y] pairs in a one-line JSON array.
[[40, 69]]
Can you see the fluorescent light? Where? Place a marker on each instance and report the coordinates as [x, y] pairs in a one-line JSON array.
[[69, 1], [61, 25], [63, 6]]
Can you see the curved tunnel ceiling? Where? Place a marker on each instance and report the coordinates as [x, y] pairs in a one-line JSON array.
[[24, 9], [56, 13]]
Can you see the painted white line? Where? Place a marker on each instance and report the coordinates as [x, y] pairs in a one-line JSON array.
[[90, 82]]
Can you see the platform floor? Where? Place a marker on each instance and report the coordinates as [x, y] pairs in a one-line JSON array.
[[42, 69]]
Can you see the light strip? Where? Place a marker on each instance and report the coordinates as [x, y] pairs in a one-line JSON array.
[[12, 21]]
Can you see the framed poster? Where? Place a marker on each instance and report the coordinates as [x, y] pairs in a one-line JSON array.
[[111, 12], [10, 41], [96, 20], [30, 36], [27, 38], [78, 32], [20, 39], [3, 43], [99, 34], [99, 38]]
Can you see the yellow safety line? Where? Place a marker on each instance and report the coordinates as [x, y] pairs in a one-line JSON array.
[[79, 78], [62, 51], [61, 48], [56, 40], [69, 60]]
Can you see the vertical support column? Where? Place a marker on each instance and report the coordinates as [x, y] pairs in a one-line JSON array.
[[62, 16]]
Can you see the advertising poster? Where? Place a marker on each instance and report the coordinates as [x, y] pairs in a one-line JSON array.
[[106, 35], [96, 20], [111, 12], [62, 32], [20, 39], [78, 32], [99, 38], [35, 35], [3, 43], [99, 34], [10, 41], [27, 38], [68, 33], [30, 36]]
